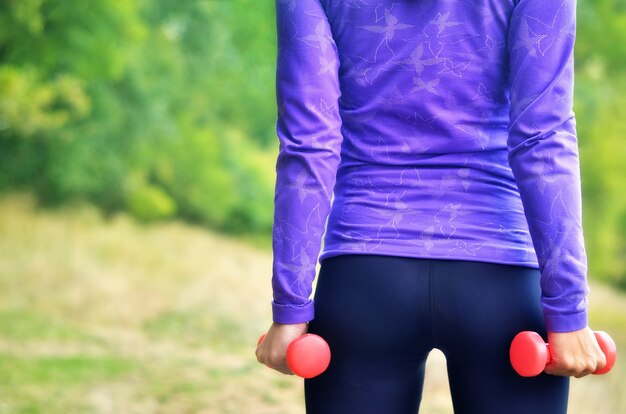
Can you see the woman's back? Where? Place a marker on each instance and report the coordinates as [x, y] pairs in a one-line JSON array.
[[420, 77], [425, 111], [443, 129]]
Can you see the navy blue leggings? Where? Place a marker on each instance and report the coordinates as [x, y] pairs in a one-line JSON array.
[[381, 315]]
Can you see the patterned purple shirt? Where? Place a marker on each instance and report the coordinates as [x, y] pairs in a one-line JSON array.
[[428, 128]]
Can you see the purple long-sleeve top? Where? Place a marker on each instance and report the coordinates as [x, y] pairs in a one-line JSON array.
[[436, 129]]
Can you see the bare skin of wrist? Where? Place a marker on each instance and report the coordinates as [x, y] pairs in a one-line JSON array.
[[273, 350], [574, 353]]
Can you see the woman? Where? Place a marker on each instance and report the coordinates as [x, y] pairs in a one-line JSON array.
[[438, 139]]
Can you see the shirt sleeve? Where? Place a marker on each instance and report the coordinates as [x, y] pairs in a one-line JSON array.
[[308, 127], [543, 153]]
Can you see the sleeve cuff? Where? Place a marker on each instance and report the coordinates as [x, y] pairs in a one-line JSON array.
[[293, 313], [566, 323]]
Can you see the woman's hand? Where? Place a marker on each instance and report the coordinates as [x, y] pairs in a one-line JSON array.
[[273, 350], [574, 353]]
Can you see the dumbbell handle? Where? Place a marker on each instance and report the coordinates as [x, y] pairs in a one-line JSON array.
[[529, 353], [307, 356]]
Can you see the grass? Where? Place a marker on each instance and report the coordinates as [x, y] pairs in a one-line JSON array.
[[112, 316]]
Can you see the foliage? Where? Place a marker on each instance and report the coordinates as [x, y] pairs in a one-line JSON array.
[[601, 116], [159, 108]]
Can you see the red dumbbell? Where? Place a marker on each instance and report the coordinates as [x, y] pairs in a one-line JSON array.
[[307, 356], [529, 354]]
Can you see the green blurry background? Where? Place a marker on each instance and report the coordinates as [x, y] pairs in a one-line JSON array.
[[137, 167]]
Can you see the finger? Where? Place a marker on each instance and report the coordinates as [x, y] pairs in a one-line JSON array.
[[584, 373], [280, 365], [579, 373], [286, 372], [261, 355], [552, 370], [557, 371], [600, 361], [282, 369], [569, 371]]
